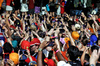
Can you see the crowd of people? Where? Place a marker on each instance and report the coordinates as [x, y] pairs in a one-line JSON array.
[[49, 32]]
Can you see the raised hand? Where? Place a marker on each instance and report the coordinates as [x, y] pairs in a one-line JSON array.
[[43, 45]]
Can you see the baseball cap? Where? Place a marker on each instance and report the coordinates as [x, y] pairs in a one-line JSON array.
[[63, 63], [77, 26], [66, 39], [35, 41], [14, 57], [25, 44], [75, 35], [14, 43], [32, 63], [93, 39]]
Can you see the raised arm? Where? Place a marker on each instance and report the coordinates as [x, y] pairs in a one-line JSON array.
[[39, 58], [71, 39]]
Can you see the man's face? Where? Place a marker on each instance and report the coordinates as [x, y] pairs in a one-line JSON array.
[[34, 47], [98, 42]]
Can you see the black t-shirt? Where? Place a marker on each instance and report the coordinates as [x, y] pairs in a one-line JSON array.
[[98, 64]]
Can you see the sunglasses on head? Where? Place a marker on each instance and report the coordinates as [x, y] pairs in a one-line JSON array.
[[34, 45]]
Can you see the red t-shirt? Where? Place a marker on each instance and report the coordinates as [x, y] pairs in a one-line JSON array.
[[8, 2], [62, 8], [31, 4]]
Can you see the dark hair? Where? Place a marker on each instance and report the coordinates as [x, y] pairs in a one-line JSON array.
[[71, 23], [91, 22], [16, 49], [73, 53], [41, 33], [1, 11], [80, 53], [65, 19], [99, 59], [50, 54], [12, 18], [85, 42], [87, 57], [7, 48], [28, 22], [24, 1], [23, 63], [17, 23], [94, 47]]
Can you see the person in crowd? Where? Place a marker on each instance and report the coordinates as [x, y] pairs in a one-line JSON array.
[[17, 6], [31, 6], [24, 6], [9, 6]]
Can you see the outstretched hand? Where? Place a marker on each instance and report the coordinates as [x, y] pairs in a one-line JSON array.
[[94, 56], [44, 44]]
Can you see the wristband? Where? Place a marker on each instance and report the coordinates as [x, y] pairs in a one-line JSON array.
[[40, 49], [56, 51], [52, 37], [87, 29]]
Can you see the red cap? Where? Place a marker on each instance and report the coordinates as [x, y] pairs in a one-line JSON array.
[[12, 26], [76, 19], [25, 44], [35, 41]]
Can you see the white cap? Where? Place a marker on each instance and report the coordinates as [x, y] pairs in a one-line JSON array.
[[77, 26], [63, 63], [93, 12]]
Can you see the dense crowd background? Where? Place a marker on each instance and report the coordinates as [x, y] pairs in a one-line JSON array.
[[49, 32]]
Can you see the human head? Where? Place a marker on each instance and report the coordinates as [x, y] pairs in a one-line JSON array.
[[34, 44], [85, 42], [94, 47], [73, 53], [7, 48], [14, 57]]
